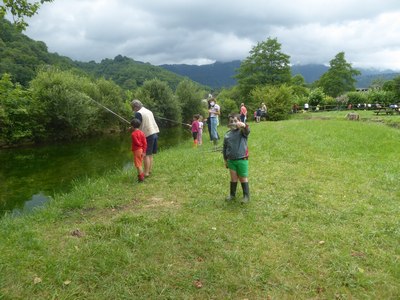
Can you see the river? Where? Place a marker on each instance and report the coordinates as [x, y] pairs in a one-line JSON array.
[[29, 176]]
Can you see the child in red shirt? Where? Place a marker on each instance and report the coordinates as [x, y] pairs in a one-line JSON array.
[[139, 146]]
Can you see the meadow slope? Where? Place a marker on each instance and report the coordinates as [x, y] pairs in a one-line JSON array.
[[322, 223]]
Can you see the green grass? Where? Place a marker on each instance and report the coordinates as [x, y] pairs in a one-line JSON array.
[[322, 223], [365, 115]]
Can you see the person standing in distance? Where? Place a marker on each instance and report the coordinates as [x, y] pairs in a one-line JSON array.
[[243, 113], [149, 127], [214, 111]]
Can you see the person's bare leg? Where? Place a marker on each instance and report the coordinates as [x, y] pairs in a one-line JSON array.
[[148, 163]]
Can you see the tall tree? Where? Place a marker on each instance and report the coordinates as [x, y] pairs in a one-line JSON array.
[[393, 85], [157, 96], [266, 65], [190, 99], [339, 78], [19, 9]]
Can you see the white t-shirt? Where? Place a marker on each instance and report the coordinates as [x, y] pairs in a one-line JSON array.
[[214, 110]]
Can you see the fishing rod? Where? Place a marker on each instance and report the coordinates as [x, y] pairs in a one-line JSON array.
[[125, 120], [173, 121], [114, 113]]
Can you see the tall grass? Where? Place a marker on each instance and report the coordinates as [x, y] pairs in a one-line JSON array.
[[322, 223]]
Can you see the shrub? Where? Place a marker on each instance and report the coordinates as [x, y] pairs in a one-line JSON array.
[[278, 100], [355, 98]]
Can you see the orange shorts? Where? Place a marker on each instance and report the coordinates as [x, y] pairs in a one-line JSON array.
[[138, 158]]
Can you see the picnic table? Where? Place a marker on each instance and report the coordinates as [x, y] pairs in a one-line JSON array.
[[386, 110]]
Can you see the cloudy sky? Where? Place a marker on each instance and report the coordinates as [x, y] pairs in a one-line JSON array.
[[205, 31]]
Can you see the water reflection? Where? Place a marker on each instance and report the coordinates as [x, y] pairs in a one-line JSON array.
[[28, 176], [37, 200]]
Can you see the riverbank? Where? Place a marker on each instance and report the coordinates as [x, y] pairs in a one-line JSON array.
[[29, 174], [322, 223]]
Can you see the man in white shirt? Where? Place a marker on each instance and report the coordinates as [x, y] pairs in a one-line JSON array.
[[150, 129]]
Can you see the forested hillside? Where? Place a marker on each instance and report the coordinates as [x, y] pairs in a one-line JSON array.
[[22, 57], [128, 73]]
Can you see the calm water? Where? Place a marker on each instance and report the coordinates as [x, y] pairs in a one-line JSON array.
[[29, 176]]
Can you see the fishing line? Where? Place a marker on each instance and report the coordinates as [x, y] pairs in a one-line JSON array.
[[172, 121], [114, 113], [125, 120]]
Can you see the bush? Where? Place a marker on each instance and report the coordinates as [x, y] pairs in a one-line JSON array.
[[316, 97], [382, 97], [68, 109], [355, 98], [278, 100], [228, 106], [157, 96], [19, 114]]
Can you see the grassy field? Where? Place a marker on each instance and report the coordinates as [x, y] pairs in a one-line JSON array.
[[322, 223]]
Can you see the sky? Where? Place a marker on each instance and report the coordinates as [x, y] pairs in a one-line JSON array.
[[201, 32]]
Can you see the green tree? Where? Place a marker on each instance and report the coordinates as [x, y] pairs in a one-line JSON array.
[[20, 9], [299, 89], [339, 78], [228, 106], [110, 95], [316, 97], [157, 96], [68, 112], [393, 86], [231, 93], [355, 98], [278, 100], [229, 100], [266, 65], [190, 99], [68, 102], [19, 114], [384, 98]]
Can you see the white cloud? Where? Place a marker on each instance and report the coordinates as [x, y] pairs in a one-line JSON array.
[[204, 31]]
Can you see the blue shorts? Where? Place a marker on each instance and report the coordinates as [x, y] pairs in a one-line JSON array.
[[152, 144]]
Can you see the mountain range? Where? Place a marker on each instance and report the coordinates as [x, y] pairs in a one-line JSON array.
[[221, 74], [22, 57]]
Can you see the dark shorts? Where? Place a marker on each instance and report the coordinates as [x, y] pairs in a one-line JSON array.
[[194, 134], [152, 144]]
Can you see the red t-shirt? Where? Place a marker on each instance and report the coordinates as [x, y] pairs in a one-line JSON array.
[[138, 140]]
